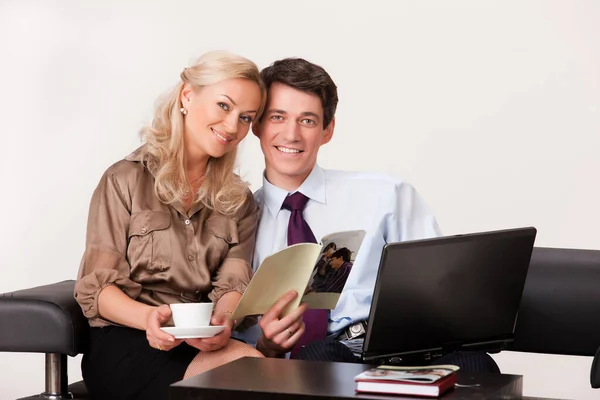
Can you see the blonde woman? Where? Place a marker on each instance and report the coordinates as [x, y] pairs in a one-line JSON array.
[[171, 223]]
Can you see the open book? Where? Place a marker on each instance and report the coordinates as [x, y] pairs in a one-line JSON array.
[[318, 272]]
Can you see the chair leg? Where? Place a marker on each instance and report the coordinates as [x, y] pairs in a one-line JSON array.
[[57, 381]]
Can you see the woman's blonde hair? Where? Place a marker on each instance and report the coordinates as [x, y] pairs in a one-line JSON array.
[[221, 190]]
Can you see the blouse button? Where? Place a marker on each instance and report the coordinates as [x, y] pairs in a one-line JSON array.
[[143, 230], [191, 257], [187, 221], [229, 238]]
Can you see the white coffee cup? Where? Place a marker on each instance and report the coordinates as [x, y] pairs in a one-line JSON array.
[[191, 315]]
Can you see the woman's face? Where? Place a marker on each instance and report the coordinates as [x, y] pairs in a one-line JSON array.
[[330, 252], [218, 117]]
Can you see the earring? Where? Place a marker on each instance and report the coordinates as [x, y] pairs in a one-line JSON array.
[[183, 110]]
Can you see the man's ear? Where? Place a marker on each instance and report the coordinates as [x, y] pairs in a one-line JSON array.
[[256, 128], [328, 132]]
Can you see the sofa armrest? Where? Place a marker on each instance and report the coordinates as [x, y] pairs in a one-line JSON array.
[[43, 319], [595, 372], [560, 303]]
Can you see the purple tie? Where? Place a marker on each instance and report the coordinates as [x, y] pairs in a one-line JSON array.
[[315, 321]]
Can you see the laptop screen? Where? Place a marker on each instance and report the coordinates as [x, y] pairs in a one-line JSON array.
[[455, 292]]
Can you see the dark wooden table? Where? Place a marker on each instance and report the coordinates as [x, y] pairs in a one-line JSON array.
[[271, 378]]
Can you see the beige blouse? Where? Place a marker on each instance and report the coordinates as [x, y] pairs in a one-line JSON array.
[[157, 253]]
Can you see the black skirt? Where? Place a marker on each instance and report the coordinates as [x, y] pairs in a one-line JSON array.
[[120, 364]]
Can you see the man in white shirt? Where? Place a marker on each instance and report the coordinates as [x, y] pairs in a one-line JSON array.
[[298, 120]]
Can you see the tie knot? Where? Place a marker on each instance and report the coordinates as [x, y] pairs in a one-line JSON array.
[[295, 202]]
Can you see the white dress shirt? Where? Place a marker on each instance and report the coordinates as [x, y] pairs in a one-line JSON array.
[[388, 209]]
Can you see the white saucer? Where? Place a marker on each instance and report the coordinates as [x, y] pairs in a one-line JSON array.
[[193, 333]]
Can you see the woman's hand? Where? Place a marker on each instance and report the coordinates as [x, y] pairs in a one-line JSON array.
[[218, 341], [156, 337]]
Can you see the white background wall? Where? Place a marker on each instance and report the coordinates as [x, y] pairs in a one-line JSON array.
[[491, 109]]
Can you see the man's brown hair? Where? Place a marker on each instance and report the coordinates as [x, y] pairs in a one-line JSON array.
[[307, 77]]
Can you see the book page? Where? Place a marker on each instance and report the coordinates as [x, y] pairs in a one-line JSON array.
[[288, 269], [334, 264]]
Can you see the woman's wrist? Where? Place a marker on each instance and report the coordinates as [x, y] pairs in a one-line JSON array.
[[147, 313], [226, 305]]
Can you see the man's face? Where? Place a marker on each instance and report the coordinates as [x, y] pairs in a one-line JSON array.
[[291, 133], [337, 262]]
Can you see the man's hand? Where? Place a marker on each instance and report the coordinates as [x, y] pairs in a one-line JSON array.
[[218, 341], [156, 337], [280, 335]]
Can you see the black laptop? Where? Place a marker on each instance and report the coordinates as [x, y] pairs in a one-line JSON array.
[[445, 294]]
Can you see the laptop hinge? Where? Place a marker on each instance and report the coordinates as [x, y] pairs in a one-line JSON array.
[[451, 347]]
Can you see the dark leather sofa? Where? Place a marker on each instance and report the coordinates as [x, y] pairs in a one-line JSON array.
[[559, 314], [560, 307]]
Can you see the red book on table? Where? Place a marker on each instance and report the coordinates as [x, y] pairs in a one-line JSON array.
[[430, 381]]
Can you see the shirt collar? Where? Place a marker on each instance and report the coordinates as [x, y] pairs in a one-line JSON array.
[[136, 156], [313, 187]]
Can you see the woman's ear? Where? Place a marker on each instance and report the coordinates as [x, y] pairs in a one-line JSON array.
[[186, 95]]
